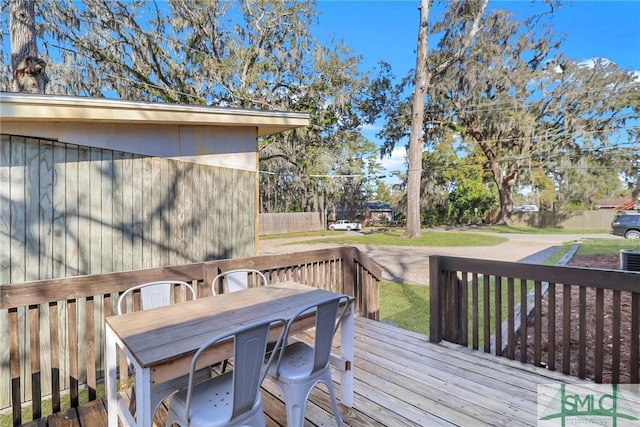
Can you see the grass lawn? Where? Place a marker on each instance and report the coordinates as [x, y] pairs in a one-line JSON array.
[[535, 230], [393, 237], [482, 236], [325, 233], [611, 246], [407, 306], [606, 246]]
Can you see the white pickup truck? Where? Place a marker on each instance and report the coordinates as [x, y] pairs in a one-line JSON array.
[[343, 224]]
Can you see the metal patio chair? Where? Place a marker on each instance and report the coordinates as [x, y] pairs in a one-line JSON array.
[[301, 366], [154, 294], [237, 279], [232, 398]]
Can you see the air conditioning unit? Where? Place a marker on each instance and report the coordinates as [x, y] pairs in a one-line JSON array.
[[629, 260]]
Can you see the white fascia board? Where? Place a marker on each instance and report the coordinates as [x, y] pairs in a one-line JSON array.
[[21, 107]]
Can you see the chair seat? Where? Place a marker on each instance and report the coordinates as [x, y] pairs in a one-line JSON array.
[[296, 364], [212, 403]]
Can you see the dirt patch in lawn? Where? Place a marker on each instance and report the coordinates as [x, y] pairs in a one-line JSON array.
[[611, 333], [611, 262]]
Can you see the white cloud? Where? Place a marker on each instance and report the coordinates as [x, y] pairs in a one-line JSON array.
[[395, 162], [371, 128]]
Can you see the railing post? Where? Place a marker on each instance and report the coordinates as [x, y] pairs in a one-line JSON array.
[[349, 286], [435, 299]]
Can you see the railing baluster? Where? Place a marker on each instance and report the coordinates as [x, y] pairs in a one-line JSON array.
[[54, 332], [464, 309], [72, 354], [566, 329], [511, 345], [498, 315], [524, 344], [453, 297], [582, 339], [486, 297], [634, 363], [36, 376], [537, 328], [91, 348], [615, 357], [551, 327], [599, 335], [14, 357], [475, 309]]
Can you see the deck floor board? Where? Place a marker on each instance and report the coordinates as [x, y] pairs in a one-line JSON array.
[[401, 379]]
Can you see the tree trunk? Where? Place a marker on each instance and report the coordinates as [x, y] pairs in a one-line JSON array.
[[422, 81], [504, 193], [416, 139], [505, 190], [28, 69]]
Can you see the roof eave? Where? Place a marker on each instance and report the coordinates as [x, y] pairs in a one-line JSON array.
[[20, 107]]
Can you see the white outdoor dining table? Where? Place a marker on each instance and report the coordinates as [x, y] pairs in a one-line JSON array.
[[160, 342]]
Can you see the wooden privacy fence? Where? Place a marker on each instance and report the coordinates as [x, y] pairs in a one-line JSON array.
[[290, 222], [56, 327], [584, 322]]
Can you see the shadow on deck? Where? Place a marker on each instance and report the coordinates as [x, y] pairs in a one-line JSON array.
[[401, 379]]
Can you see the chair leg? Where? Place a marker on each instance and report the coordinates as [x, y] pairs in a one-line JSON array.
[[332, 394], [295, 399], [296, 396], [224, 366]]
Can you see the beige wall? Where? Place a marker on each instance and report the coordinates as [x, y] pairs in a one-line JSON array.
[[230, 147]]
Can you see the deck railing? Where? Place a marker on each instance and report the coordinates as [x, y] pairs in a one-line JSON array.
[[582, 321], [54, 340]]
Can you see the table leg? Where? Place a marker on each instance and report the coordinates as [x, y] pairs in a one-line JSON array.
[[346, 340], [144, 412], [117, 409], [111, 377]]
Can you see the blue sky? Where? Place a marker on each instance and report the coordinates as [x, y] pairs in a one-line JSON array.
[[387, 30]]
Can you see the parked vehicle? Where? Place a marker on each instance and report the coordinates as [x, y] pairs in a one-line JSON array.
[[626, 224], [525, 208], [343, 224]]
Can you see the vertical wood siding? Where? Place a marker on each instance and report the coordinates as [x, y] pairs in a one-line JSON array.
[[68, 210]]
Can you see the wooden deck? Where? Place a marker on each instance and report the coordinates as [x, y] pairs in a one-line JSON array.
[[401, 379]]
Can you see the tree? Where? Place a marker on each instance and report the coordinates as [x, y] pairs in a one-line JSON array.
[[28, 69], [469, 201], [518, 102], [460, 22], [383, 192], [515, 102]]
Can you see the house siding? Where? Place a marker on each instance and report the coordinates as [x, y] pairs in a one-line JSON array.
[[69, 210]]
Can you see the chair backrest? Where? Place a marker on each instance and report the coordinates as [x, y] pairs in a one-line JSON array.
[[250, 368], [329, 316], [154, 294], [237, 279]]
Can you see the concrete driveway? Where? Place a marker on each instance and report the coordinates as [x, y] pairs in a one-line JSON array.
[[411, 264]]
